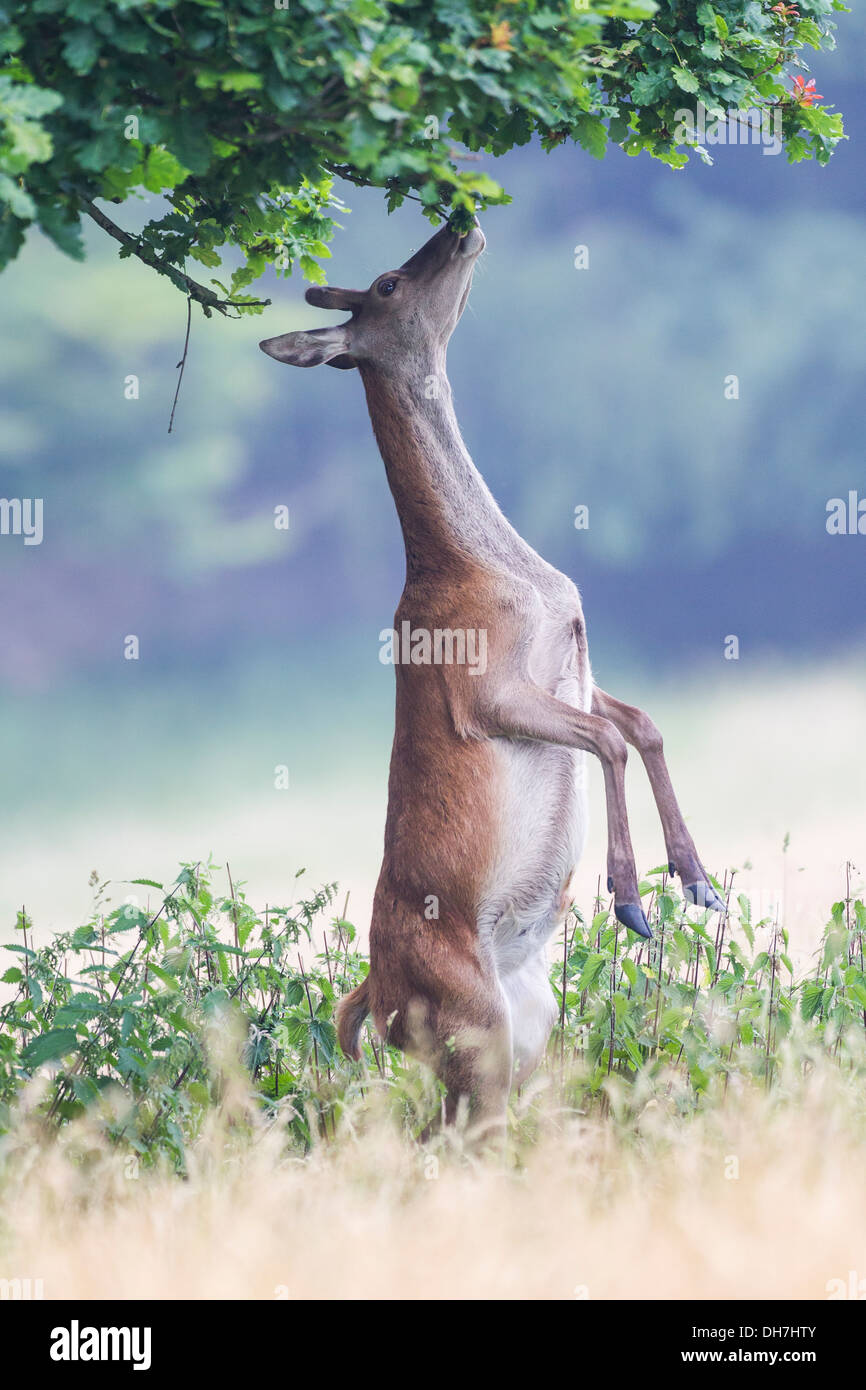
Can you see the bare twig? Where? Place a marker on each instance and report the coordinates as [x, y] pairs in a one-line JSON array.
[[181, 364], [208, 299]]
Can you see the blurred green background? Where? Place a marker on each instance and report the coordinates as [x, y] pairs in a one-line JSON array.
[[604, 387]]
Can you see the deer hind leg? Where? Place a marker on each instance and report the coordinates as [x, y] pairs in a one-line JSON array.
[[448, 1010], [475, 1064], [639, 730], [526, 711]]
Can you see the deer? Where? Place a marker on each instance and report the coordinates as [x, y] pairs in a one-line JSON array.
[[487, 804]]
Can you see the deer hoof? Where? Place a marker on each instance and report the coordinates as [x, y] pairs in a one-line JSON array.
[[632, 916], [704, 895]]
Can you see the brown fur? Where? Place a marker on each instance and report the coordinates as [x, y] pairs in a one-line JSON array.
[[351, 1012]]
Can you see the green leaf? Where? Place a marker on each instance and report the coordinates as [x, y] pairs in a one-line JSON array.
[[592, 969], [84, 1089], [241, 81], [81, 49], [48, 1047], [18, 201], [685, 80], [648, 87], [162, 975], [26, 99], [858, 990], [810, 999], [592, 135], [129, 1063], [162, 170]]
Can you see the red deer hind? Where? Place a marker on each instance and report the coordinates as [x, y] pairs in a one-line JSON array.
[[486, 807]]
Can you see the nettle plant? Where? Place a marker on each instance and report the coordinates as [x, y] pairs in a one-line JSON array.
[[134, 1003], [713, 999], [135, 1020], [243, 114]]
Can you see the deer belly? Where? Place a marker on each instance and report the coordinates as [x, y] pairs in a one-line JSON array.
[[542, 828]]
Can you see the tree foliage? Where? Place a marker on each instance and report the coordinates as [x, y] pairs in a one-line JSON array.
[[242, 114]]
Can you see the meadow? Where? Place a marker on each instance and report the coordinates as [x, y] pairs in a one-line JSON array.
[[177, 1121]]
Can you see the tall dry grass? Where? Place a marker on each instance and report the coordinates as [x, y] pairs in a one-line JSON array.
[[757, 1197]]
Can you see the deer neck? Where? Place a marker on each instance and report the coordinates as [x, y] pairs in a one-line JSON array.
[[444, 505]]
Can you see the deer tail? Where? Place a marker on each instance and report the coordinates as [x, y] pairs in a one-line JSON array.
[[351, 1012]]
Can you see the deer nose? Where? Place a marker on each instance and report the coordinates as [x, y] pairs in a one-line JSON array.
[[474, 241]]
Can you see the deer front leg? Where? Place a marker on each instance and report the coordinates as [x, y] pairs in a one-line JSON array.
[[639, 730], [525, 711]]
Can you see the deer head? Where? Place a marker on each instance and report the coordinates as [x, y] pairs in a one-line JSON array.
[[403, 320]]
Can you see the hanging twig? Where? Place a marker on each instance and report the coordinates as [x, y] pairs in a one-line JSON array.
[[182, 363]]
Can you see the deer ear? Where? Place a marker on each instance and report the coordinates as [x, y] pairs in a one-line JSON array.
[[329, 297], [311, 347]]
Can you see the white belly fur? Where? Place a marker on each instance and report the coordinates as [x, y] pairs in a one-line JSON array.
[[543, 830]]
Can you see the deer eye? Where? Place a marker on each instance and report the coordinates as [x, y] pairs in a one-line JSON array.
[[386, 287]]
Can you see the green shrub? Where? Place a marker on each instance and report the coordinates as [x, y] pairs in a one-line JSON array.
[[122, 1018]]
